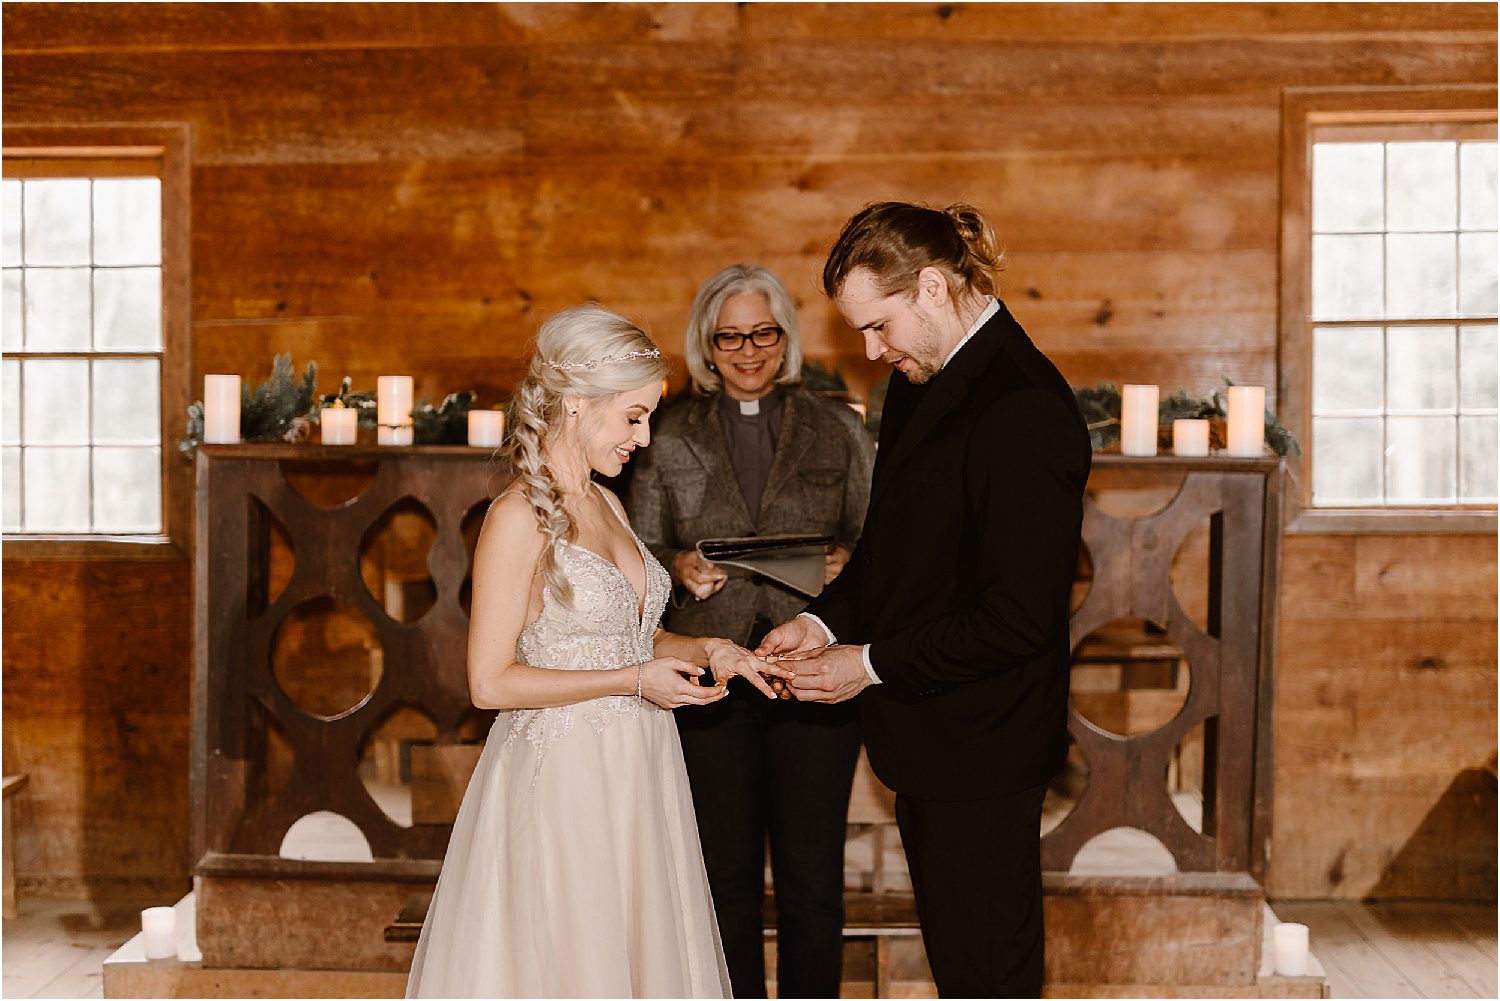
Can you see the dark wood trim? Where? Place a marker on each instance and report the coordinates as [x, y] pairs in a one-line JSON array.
[[71, 147], [1302, 110]]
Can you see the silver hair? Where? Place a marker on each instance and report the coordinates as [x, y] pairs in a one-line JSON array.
[[697, 345], [569, 360]]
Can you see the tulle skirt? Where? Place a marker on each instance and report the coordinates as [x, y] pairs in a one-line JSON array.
[[574, 869]]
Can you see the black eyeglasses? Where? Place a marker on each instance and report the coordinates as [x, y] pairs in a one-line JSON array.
[[761, 337]]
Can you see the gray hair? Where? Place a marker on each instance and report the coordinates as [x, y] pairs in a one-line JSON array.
[[697, 344], [585, 351]]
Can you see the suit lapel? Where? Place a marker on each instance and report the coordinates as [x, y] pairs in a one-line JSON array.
[[706, 439], [938, 398], [796, 435]]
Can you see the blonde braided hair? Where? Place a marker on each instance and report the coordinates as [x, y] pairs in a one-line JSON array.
[[588, 352]]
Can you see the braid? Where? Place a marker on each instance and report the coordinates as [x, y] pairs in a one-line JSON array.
[[534, 412]]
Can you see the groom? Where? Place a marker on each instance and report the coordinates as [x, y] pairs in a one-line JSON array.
[[951, 617]]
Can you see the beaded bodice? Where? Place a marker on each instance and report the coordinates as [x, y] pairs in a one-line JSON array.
[[604, 627]]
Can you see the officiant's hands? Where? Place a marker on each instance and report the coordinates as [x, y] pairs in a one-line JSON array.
[[702, 579], [835, 556], [835, 675], [728, 659]]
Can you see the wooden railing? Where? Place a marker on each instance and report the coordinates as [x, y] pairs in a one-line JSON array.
[[242, 811]]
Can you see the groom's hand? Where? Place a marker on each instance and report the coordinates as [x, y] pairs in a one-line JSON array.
[[835, 675], [793, 640]]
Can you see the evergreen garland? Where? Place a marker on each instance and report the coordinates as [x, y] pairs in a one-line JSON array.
[[276, 410]]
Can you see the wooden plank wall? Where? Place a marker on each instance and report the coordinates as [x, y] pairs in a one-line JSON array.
[[411, 187]]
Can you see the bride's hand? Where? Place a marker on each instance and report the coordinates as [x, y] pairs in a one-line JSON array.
[[667, 682], [728, 659]]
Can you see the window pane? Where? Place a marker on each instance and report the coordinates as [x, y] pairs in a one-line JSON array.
[[1477, 173], [127, 490], [57, 222], [10, 319], [127, 220], [1346, 277], [1348, 369], [11, 405], [1346, 460], [1478, 359], [10, 222], [10, 507], [1421, 186], [1476, 274], [57, 309], [127, 401], [1422, 368], [56, 489], [1420, 274], [56, 405], [1421, 466], [127, 309], [1477, 468], [1347, 187]]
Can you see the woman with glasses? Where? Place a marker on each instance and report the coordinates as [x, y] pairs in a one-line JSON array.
[[751, 452]]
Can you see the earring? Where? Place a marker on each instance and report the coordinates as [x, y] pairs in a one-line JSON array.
[[573, 413], [712, 367]]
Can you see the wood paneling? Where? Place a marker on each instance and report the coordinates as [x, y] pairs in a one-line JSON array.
[[412, 187]]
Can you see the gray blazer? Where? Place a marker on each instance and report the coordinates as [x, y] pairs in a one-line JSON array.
[[684, 489]]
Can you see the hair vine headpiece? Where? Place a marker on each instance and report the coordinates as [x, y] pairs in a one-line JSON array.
[[589, 366]]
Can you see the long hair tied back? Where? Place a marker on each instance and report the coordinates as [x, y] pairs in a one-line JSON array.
[[585, 351], [896, 240]]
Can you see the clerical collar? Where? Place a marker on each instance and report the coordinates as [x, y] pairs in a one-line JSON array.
[[984, 317], [751, 408]]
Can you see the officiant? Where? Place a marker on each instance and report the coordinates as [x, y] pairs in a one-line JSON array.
[[752, 452]]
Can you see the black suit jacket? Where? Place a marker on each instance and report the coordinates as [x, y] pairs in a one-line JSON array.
[[962, 577]]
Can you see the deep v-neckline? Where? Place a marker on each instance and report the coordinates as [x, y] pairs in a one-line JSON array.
[[640, 595]]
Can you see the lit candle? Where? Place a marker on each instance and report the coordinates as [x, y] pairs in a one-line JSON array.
[[159, 927], [340, 425], [1138, 416], [1190, 437], [1247, 420], [393, 395], [1290, 943], [221, 409], [486, 428]]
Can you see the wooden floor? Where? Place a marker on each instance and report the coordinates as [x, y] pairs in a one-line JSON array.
[[55, 949], [1400, 950]]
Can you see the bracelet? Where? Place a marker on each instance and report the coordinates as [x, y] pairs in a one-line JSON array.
[[640, 669]]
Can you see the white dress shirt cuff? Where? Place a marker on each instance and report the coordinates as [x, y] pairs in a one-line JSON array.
[[832, 639]]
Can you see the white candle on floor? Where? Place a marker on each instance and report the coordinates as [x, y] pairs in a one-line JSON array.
[[1190, 437], [340, 425], [1290, 943], [1247, 420], [486, 428], [159, 925], [221, 409], [1138, 416]]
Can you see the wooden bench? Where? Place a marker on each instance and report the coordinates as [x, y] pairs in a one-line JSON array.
[[12, 785]]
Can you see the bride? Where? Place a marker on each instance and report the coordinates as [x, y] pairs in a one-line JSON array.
[[574, 868]]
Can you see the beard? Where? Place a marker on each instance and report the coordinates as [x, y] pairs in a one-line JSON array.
[[926, 354]]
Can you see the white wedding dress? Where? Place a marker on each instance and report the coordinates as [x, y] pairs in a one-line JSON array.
[[574, 868]]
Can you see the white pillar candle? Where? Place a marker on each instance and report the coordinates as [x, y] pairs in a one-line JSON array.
[[1247, 420], [1290, 943], [340, 425], [159, 926], [221, 409], [1138, 416], [1190, 437], [393, 395], [486, 428]]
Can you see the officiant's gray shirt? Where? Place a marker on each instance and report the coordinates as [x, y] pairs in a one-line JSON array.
[[750, 433]]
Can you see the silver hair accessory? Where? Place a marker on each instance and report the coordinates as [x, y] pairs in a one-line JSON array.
[[589, 366]]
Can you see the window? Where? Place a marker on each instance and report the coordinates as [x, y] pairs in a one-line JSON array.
[[93, 324], [1389, 309], [83, 340]]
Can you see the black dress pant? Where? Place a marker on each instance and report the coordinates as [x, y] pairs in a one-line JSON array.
[[782, 769], [976, 871]]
